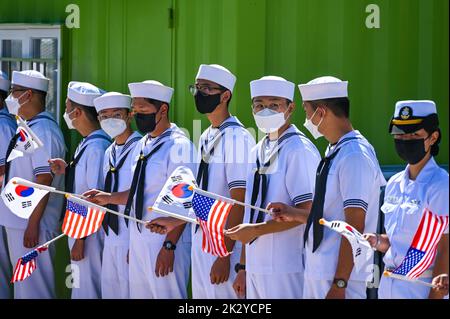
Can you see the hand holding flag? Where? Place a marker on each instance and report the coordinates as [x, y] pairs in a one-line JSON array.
[[360, 246]]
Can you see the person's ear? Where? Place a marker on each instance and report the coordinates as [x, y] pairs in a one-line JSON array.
[[26, 97], [434, 137], [164, 109], [225, 97]]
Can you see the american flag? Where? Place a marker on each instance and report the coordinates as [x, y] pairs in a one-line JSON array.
[[421, 254], [212, 215], [81, 221], [27, 264]]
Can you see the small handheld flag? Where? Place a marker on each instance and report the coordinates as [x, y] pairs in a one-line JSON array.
[[212, 215], [360, 246], [423, 248], [176, 195], [81, 221], [21, 197], [27, 141], [27, 264]]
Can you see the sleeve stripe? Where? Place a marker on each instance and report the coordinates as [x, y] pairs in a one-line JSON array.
[[356, 203], [42, 170], [2, 161], [302, 198], [237, 184]]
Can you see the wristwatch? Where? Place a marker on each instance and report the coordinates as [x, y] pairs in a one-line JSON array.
[[340, 283], [169, 245], [238, 267]]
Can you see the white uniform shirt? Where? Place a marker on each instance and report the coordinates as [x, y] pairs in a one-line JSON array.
[[354, 180], [177, 150], [228, 166], [89, 170], [8, 128], [114, 154], [31, 165], [290, 180], [405, 201]]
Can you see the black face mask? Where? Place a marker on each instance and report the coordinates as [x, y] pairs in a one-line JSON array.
[[146, 123], [411, 151], [206, 104]]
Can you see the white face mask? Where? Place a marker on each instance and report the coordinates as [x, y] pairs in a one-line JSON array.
[[269, 121], [13, 105], [69, 121], [313, 129], [113, 127]]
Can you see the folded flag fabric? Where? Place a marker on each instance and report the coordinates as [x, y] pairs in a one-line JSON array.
[[26, 142], [20, 199], [360, 247], [212, 214], [27, 264], [422, 251], [176, 195], [81, 220]]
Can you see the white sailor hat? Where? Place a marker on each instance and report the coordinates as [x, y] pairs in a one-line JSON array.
[[152, 90], [5, 84], [30, 79], [410, 116], [83, 93], [272, 86], [325, 87], [112, 100], [218, 74]]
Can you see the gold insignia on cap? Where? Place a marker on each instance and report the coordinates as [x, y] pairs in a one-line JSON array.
[[405, 112]]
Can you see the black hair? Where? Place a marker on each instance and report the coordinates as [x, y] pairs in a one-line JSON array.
[[339, 106], [3, 95], [431, 125], [90, 112]]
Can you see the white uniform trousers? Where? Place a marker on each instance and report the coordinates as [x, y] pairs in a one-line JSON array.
[[86, 273], [274, 286], [41, 283], [398, 289], [115, 271], [201, 269], [144, 284], [5, 266], [318, 289]]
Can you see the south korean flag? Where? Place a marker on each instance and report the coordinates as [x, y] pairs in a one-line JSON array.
[[176, 195], [27, 141], [21, 199]]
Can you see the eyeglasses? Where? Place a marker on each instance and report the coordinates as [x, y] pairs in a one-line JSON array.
[[257, 107], [11, 91], [205, 90], [116, 116]]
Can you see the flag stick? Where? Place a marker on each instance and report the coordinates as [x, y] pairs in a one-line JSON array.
[[228, 200], [177, 216], [44, 188], [87, 203], [35, 138], [52, 240], [404, 278]]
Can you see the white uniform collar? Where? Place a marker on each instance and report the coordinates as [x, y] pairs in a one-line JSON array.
[[133, 138], [342, 141], [424, 176]]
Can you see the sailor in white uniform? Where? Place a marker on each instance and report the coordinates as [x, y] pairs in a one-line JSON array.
[[115, 119], [284, 175], [158, 265], [83, 173], [419, 194], [224, 156], [27, 99], [347, 187], [8, 128]]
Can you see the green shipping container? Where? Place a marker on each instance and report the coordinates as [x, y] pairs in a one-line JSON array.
[[123, 41]]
